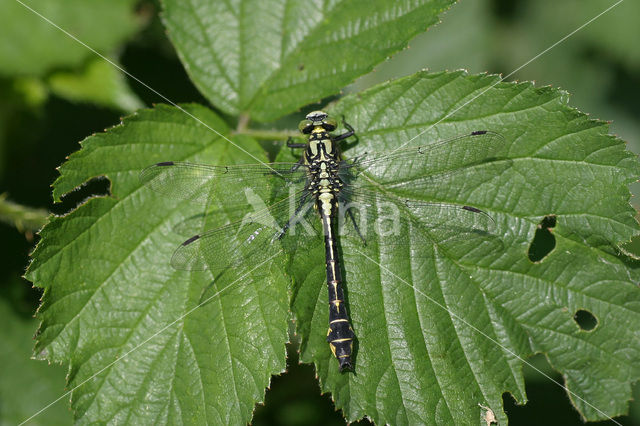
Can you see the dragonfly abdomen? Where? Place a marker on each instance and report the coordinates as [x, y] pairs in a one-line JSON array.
[[340, 335]]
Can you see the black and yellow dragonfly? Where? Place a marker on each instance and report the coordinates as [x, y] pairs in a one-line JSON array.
[[377, 196]]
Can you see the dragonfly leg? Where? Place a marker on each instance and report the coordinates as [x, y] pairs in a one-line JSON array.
[[351, 132], [291, 144], [355, 225], [299, 163], [285, 228], [203, 301]]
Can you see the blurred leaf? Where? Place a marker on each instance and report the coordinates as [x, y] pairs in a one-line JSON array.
[[99, 82], [32, 46], [463, 41], [110, 288], [269, 58], [27, 385], [633, 247], [610, 33], [32, 91]]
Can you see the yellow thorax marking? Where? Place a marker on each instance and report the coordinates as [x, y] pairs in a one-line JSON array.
[[313, 146]]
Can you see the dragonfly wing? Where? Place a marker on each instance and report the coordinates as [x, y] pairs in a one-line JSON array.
[[246, 242], [448, 170], [439, 158], [393, 221], [199, 182], [219, 249]]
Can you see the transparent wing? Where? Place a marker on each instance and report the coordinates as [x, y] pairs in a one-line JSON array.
[[246, 242], [373, 217], [386, 193], [438, 158], [198, 182], [379, 214], [448, 169]]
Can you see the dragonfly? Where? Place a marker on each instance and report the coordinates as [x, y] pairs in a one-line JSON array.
[[350, 197]]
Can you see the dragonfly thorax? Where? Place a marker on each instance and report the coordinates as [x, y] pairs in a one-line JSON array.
[[322, 159]]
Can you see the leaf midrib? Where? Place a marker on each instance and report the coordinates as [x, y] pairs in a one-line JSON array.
[[221, 69]]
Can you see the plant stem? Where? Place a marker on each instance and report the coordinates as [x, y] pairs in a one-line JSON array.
[[22, 217], [269, 134], [243, 122]]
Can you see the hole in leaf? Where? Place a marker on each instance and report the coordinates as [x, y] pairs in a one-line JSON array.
[[543, 241], [585, 320], [96, 187]]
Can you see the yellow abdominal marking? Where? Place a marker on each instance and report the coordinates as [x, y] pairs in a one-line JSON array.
[[334, 284]]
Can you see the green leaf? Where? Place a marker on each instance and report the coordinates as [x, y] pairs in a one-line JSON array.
[[32, 46], [444, 327], [269, 58], [26, 385], [109, 289], [99, 82]]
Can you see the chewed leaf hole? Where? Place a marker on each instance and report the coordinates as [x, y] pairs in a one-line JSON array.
[[98, 186], [585, 320], [543, 241]]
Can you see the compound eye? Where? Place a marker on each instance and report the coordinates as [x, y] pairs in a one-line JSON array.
[[305, 126], [329, 124]]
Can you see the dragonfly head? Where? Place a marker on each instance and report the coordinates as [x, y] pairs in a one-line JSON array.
[[318, 121]]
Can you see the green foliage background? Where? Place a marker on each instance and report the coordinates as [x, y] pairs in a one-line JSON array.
[[49, 102]]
